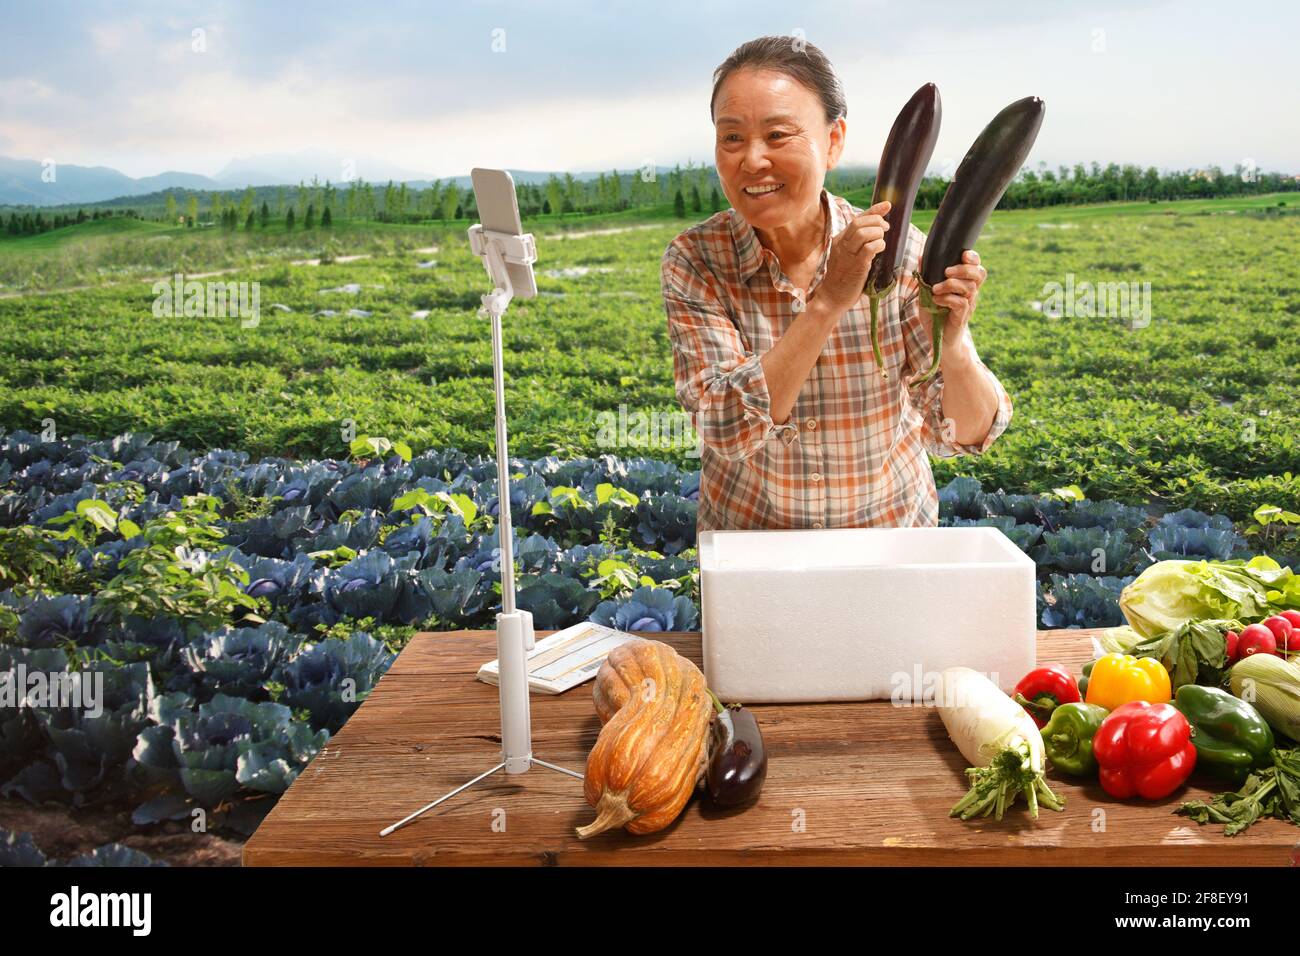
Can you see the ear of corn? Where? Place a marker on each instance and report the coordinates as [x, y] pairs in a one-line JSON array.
[[1272, 686]]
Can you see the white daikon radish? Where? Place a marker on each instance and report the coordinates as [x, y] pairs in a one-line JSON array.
[[999, 739]]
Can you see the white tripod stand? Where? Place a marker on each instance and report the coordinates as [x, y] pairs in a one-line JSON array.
[[514, 627]]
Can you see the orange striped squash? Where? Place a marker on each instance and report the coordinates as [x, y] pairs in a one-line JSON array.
[[653, 746]]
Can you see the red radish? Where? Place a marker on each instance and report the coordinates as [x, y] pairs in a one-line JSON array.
[[1256, 639], [1230, 640], [1293, 617], [1280, 627]]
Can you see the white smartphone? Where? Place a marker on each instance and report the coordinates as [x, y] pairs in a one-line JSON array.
[[498, 210]]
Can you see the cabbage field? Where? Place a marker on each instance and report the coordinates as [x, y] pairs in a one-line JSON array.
[[236, 525]]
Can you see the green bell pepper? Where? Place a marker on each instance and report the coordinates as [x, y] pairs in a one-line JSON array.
[[1230, 736], [1083, 681], [1067, 738]]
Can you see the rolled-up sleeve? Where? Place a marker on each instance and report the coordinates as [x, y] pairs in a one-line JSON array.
[[718, 381], [937, 433]]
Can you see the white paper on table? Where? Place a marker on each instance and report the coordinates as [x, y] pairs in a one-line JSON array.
[[565, 659]]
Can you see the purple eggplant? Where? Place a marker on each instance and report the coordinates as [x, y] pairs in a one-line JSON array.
[[737, 758], [989, 167], [903, 163]]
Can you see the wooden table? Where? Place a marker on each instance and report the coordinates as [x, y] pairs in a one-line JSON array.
[[857, 783]]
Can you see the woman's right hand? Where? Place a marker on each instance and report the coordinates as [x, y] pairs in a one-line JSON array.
[[850, 259]]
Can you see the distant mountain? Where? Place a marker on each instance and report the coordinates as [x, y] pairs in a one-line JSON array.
[[174, 180], [275, 169], [21, 183], [292, 168]]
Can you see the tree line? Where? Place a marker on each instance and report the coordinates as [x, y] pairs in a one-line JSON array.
[[696, 189], [691, 190], [34, 223], [1081, 185]]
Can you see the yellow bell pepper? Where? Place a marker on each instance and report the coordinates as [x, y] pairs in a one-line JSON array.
[[1120, 678]]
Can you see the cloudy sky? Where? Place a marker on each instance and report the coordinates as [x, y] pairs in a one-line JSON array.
[[147, 87]]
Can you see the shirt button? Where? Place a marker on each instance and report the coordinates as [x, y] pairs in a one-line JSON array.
[[817, 524], [816, 476], [811, 424]]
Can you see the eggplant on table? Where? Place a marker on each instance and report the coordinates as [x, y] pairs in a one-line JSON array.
[[737, 764], [903, 163], [988, 168]]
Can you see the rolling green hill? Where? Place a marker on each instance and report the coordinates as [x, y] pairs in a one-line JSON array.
[[117, 226]]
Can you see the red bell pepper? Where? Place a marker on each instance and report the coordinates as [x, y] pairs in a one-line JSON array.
[[1044, 689], [1144, 750]]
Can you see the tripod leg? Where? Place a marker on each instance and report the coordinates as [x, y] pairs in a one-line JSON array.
[[465, 786], [551, 766]]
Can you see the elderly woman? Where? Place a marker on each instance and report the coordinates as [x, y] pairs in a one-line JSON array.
[[770, 328]]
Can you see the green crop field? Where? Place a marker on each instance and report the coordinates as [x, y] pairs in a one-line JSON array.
[[1198, 407]]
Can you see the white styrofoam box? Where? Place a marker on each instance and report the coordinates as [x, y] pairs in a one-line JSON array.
[[861, 613]]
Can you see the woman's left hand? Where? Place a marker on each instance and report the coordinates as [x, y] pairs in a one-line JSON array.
[[959, 292]]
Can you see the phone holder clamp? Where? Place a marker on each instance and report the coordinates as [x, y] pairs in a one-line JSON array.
[[496, 249]]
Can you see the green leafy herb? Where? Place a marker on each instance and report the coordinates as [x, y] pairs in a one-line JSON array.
[[1193, 652], [1271, 792]]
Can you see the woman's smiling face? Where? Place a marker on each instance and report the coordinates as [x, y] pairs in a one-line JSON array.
[[772, 132]]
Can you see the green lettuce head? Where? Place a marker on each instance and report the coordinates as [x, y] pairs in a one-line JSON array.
[[1170, 593]]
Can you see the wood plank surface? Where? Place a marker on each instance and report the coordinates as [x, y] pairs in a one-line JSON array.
[[847, 783]]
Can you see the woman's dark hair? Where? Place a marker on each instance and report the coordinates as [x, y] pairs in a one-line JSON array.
[[795, 57]]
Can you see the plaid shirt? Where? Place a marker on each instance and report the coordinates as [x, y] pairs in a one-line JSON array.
[[853, 452]]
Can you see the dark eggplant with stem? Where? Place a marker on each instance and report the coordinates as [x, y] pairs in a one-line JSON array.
[[989, 167], [737, 763], [902, 165]]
